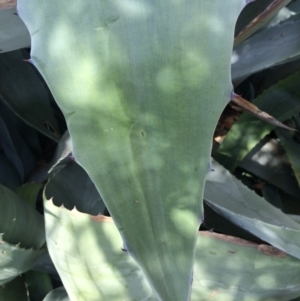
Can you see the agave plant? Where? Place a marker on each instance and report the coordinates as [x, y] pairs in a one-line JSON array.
[[141, 86]]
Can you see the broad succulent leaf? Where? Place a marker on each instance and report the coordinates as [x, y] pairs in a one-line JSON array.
[[87, 253], [141, 86], [228, 268], [93, 266], [251, 212]]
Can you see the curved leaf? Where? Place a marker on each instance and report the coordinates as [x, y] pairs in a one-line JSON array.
[[15, 260], [228, 268], [258, 52], [58, 294], [26, 94], [233, 200], [260, 20], [19, 222]]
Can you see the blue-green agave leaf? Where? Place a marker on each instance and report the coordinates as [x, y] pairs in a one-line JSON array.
[[15, 260], [87, 253], [253, 55], [19, 222], [229, 268], [233, 200], [89, 256], [263, 19], [142, 86]]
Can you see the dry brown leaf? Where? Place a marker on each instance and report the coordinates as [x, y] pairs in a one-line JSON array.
[[251, 108], [4, 4], [260, 20], [265, 249]]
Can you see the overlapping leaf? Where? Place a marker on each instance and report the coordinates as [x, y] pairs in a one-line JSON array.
[[280, 101], [19, 222], [87, 251], [15, 260], [22, 235], [26, 94], [231, 199]]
